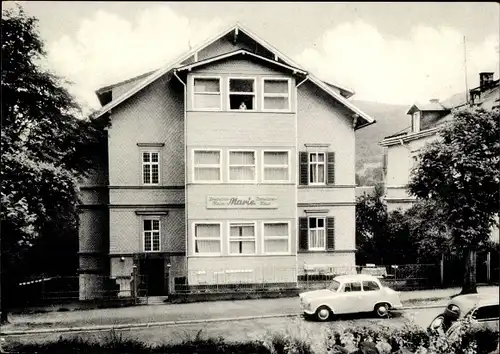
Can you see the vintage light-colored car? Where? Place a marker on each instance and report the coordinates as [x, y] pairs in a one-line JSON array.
[[483, 310], [350, 294]]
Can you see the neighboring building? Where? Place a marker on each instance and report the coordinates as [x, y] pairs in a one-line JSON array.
[[231, 165], [403, 148]]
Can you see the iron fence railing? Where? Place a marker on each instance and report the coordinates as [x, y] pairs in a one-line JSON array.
[[225, 280]]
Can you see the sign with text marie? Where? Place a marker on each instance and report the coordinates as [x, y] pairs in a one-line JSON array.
[[242, 202]]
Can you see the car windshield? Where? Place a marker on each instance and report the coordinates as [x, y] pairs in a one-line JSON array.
[[334, 285]]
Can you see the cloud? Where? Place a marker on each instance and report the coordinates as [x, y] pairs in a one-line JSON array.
[[108, 48], [429, 63]]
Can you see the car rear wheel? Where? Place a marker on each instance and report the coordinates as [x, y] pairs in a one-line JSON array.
[[382, 310], [323, 313]]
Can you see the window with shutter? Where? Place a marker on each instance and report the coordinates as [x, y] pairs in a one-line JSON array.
[[303, 175], [303, 234], [331, 168], [330, 236]]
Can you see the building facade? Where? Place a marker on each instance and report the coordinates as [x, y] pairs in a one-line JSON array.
[[402, 149], [231, 165]]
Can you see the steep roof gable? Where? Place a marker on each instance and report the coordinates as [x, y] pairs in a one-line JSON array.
[[337, 92]]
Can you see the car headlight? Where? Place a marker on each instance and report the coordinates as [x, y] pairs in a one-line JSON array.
[[454, 309]]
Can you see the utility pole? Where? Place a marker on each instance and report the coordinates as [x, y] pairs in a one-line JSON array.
[[465, 69]]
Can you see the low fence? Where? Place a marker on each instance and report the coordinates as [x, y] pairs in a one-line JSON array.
[[265, 279]]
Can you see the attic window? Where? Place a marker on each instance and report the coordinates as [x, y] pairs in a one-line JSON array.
[[415, 122], [242, 94]]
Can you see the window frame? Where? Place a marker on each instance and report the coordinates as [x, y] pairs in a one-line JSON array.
[[150, 163], [194, 166], [350, 283], [370, 281], [486, 319], [263, 166], [325, 170], [264, 238], [193, 93], [288, 95], [151, 218], [256, 162], [325, 228], [236, 223], [194, 238], [416, 116], [229, 93]]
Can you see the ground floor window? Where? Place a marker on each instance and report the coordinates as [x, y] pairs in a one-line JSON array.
[[151, 235], [242, 238], [207, 238], [276, 237]]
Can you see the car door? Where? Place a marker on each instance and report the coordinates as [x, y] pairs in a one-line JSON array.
[[350, 298], [370, 295]]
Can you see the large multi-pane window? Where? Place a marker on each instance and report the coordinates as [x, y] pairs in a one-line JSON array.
[[150, 167], [206, 93], [151, 235], [317, 168], [207, 165], [317, 233], [242, 238], [207, 238], [275, 166], [276, 94], [276, 237], [242, 166]]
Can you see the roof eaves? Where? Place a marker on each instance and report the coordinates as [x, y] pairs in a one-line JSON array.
[[341, 99], [109, 87], [238, 52], [171, 65], [160, 72], [408, 137]]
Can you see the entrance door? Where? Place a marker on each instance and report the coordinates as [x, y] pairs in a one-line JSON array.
[[153, 271]]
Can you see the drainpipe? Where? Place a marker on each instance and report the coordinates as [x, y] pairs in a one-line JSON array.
[[185, 174], [296, 178]]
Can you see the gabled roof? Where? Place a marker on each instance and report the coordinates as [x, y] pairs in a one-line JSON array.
[[431, 106], [236, 53], [326, 87]]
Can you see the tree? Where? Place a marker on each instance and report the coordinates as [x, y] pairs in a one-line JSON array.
[[47, 144], [428, 231], [371, 224], [460, 173]]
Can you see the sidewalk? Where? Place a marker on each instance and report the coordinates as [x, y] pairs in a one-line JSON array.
[[200, 311]]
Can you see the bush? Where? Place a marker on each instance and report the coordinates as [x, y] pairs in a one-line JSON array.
[[409, 339], [413, 339]]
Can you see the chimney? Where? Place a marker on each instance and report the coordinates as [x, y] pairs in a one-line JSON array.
[[434, 100], [485, 78]]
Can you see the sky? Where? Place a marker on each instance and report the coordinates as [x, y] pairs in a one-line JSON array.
[[397, 53]]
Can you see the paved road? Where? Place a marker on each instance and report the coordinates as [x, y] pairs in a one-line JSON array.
[[195, 311], [242, 329]]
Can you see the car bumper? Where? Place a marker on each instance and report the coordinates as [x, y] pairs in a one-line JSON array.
[[308, 312]]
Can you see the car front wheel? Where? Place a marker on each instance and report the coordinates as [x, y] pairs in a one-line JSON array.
[[382, 310], [323, 313]]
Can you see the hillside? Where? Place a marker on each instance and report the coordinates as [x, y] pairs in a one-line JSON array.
[[390, 119]]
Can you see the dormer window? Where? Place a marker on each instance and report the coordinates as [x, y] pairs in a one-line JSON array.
[[242, 94], [415, 122]]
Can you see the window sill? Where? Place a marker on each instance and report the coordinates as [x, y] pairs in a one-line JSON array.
[[319, 186]]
